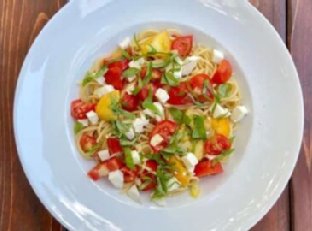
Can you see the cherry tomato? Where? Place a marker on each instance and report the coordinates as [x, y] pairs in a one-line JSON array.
[[148, 177], [87, 142], [178, 95], [114, 146], [183, 45], [156, 73], [130, 102], [217, 144], [102, 169], [143, 93], [152, 164], [130, 174], [197, 87], [165, 129], [79, 109], [114, 74], [205, 168], [223, 73]]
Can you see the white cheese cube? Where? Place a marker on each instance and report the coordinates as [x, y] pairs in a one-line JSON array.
[[104, 155], [189, 64], [156, 139], [116, 178], [130, 134], [124, 44], [103, 90], [134, 193], [173, 184], [83, 122], [162, 95], [140, 123], [239, 113], [135, 157], [137, 64], [93, 117], [217, 56], [220, 111], [178, 74], [190, 161]]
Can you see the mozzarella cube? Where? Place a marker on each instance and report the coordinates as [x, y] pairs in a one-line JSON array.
[[156, 140], [162, 95], [173, 184], [189, 64], [83, 122], [239, 113], [220, 111], [140, 123], [103, 90], [116, 178], [217, 56], [103, 155], [93, 117], [135, 157], [137, 64], [134, 193], [190, 161], [130, 134], [124, 44]]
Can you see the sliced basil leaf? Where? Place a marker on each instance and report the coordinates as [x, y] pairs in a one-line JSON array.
[[199, 131], [150, 106], [168, 78], [158, 63], [128, 158], [130, 72], [224, 90], [77, 127], [125, 54], [223, 156], [92, 76], [177, 114]]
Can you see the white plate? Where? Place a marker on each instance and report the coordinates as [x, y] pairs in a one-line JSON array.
[[267, 141]]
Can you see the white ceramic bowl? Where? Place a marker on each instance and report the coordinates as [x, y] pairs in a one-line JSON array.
[[267, 143]]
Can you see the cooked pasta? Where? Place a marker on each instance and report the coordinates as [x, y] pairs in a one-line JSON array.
[[158, 114]]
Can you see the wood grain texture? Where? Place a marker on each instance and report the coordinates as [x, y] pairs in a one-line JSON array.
[[20, 22], [299, 39], [278, 218]]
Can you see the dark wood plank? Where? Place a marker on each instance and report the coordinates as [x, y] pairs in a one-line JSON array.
[[278, 217], [20, 22], [299, 38]]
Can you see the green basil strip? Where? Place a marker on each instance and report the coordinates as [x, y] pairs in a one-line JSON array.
[[199, 131]]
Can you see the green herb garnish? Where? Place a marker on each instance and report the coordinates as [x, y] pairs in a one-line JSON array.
[[92, 76], [78, 127], [128, 158], [199, 131], [225, 154], [130, 72], [224, 90], [170, 79]]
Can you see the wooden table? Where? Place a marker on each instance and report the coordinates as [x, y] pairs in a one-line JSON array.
[[21, 21]]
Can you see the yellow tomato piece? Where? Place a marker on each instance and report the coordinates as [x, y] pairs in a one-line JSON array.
[[194, 189], [161, 42], [221, 126], [179, 171], [103, 108]]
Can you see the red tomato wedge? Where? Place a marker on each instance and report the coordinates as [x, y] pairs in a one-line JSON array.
[[102, 169], [145, 91], [79, 109], [87, 142], [223, 73], [205, 168], [114, 74], [152, 164], [130, 174], [130, 102], [114, 146], [183, 45], [197, 84], [165, 129], [178, 95], [217, 144]]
